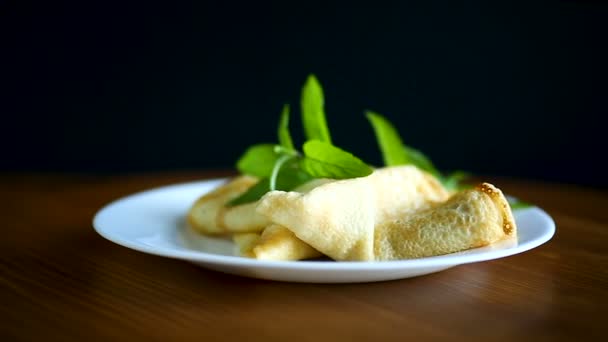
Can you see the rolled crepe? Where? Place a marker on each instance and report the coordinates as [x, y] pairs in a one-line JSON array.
[[338, 218], [471, 218], [244, 243], [209, 214], [279, 243], [241, 219]]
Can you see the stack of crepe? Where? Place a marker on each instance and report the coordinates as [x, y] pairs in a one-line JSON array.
[[395, 213]]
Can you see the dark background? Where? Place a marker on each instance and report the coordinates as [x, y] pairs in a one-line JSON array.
[[512, 90]]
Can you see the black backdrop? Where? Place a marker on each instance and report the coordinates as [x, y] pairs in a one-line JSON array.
[[493, 89]]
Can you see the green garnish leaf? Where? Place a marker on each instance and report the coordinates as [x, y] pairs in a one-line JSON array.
[[283, 130], [323, 160], [389, 141], [394, 151], [453, 181], [421, 161], [258, 160], [517, 204], [289, 177], [313, 113], [253, 194]]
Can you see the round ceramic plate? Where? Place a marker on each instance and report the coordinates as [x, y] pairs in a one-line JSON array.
[[153, 222]]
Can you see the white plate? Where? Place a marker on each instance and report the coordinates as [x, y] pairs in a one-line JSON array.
[[153, 222]]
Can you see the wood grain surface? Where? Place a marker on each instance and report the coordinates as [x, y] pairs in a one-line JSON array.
[[60, 281]]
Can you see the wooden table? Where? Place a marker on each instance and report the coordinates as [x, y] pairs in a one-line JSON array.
[[59, 280]]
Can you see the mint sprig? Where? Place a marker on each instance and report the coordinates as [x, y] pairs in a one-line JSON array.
[[282, 167]]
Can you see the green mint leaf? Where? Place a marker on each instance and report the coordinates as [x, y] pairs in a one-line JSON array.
[[289, 177], [517, 204], [394, 151], [313, 114], [253, 194], [416, 157], [453, 181], [283, 130], [323, 160], [258, 160], [388, 140]]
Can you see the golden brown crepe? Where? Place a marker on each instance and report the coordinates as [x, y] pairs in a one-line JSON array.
[[279, 243], [209, 215], [471, 218], [244, 243], [241, 219], [338, 218]]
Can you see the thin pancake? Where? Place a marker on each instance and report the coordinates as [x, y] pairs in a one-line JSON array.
[[471, 218], [338, 218]]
